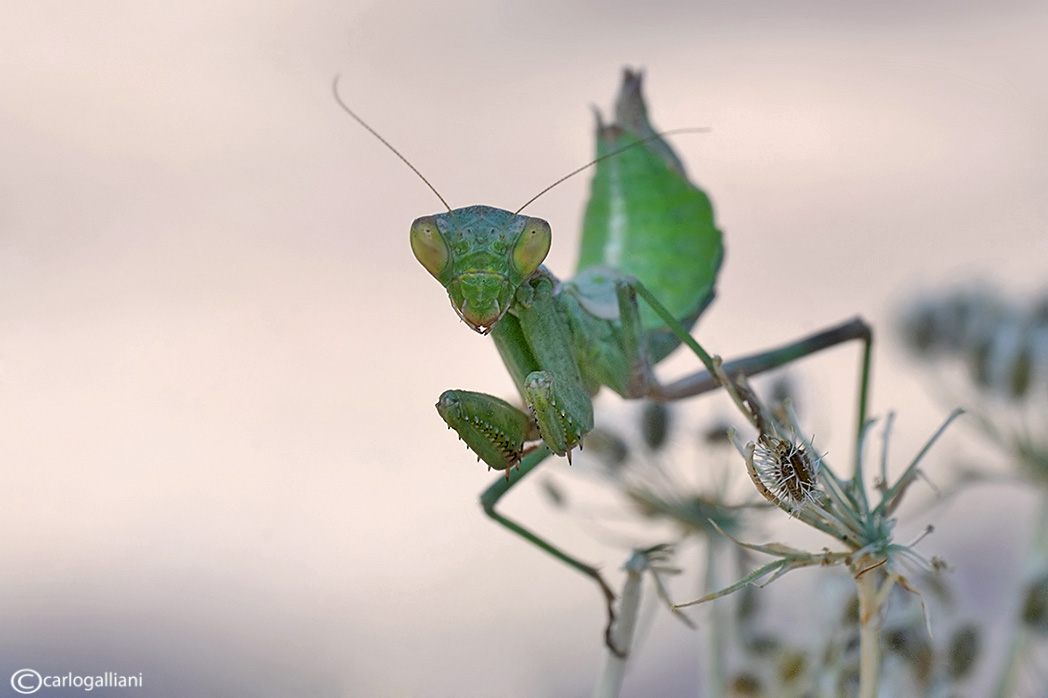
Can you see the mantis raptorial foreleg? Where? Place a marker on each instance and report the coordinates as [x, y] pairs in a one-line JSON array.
[[534, 343]]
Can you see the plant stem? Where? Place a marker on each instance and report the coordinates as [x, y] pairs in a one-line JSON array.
[[869, 633], [716, 638], [609, 684]]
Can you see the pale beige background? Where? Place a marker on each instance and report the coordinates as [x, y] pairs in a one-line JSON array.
[[218, 359]]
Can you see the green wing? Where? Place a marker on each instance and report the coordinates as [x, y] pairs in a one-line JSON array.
[[645, 219]]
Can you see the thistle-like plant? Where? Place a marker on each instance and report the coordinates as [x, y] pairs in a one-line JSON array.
[[788, 472]]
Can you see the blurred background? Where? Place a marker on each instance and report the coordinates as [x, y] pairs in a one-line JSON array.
[[218, 358]]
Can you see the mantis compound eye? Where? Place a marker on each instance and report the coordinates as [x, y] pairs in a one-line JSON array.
[[532, 246], [429, 246]]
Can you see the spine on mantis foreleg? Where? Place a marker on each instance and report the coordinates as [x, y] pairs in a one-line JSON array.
[[645, 219]]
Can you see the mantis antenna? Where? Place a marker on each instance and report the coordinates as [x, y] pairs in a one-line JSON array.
[[373, 132], [605, 156], [591, 163]]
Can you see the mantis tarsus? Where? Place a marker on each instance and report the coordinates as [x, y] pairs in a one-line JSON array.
[[648, 232]]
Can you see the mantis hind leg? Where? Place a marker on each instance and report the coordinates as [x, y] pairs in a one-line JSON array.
[[643, 376]]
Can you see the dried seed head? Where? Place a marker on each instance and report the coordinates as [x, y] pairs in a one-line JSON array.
[[963, 651], [1035, 606], [782, 397], [792, 666], [850, 616], [655, 424], [608, 447], [554, 493], [748, 604], [912, 645], [746, 685], [848, 681], [762, 644], [788, 471], [717, 434]]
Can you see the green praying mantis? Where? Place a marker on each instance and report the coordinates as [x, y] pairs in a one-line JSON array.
[[648, 234]]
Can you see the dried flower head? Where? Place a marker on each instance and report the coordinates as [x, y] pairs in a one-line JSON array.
[[788, 470]]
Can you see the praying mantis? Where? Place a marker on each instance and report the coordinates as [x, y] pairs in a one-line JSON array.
[[648, 234]]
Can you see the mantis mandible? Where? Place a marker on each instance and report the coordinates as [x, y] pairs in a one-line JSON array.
[[648, 232]]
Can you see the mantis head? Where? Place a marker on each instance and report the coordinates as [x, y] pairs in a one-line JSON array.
[[481, 255]]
